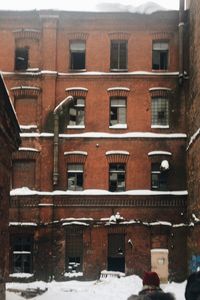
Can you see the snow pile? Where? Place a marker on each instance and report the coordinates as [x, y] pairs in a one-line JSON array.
[[145, 8], [108, 288]]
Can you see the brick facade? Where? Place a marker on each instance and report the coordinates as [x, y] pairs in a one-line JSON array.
[[44, 216]]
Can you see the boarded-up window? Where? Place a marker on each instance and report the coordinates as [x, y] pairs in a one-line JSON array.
[[26, 111], [23, 174], [74, 250]]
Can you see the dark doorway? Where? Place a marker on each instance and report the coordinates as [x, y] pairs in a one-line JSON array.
[[116, 252]]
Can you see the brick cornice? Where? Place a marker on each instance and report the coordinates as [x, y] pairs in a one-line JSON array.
[[25, 155], [160, 92], [118, 92], [117, 157], [73, 157], [162, 35], [76, 92], [27, 34]]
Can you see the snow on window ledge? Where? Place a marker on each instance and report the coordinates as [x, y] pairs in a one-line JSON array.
[[118, 126], [21, 275], [76, 126], [117, 152], [157, 250], [160, 126], [159, 153], [28, 149], [76, 153], [70, 275]]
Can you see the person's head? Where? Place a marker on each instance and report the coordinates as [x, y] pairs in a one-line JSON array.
[[151, 279], [192, 290]]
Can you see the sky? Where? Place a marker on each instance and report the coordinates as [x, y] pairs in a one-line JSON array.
[[77, 5]]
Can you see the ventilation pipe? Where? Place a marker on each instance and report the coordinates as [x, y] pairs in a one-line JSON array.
[[57, 111], [181, 39]]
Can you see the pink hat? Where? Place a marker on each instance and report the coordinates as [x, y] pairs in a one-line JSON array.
[[151, 278]]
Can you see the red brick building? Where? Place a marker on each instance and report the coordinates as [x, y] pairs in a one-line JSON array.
[[99, 182], [193, 146], [10, 140]]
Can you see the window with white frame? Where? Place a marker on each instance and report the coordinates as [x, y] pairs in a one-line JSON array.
[[117, 177], [77, 55], [75, 177], [76, 112], [160, 112], [117, 111], [160, 55], [118, 55], [158, 177], [22, 254]]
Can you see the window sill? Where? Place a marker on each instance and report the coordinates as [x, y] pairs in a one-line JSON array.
[[75, 126], [160, 70], [118, 70], [160, 126], [118, 126]]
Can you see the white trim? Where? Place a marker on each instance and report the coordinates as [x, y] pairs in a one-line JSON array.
[[76, 89], [23, 87], [159, 89], [76, 153], [28, 149], [75, 126], [75, 223], [22, 224], [160, 126], [159, 153], [117, 152], [120, 88], [159, 250]]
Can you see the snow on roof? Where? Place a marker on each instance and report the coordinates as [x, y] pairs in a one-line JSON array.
[[117, 152], [75, 223], [28, 149], [159, 153], [75, 152], [118, 88], [22, 224], [26, 191]]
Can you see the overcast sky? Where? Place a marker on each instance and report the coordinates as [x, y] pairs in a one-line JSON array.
[[84, 5]]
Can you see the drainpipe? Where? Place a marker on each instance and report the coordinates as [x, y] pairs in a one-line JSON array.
[[57, 111], [181, 39]]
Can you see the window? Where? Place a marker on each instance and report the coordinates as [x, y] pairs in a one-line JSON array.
[[118, 56], [22, 105], [77, 55], [160, 112], [22, 254], [160, 55], [117, 111], [74, 250], [21, 58], [158, 177], [76, 112], [117, 177], [75, 177]]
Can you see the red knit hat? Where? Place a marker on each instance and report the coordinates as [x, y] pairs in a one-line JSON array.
[[151, 278]]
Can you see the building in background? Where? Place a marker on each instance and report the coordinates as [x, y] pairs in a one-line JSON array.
[[9, 141], [99, 182]]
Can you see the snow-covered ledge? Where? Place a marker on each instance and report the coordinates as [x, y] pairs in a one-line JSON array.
[[75, 152], [21, 275], [117, 152], [28, 149], [159, 153]]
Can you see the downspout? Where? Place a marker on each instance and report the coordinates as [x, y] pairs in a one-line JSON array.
[[181, 40], [57, 111]]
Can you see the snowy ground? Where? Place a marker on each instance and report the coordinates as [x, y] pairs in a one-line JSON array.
[[105, 289]]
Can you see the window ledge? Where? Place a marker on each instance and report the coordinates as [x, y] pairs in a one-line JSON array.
[[77, 70], [75, 126], [118, 126], [160, 70], [160, 126], [118, 70]]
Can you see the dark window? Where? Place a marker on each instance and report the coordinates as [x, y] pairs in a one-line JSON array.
[[117, 111], [76, 112], [118, 56], [160, 111], [22, 254], [21, 58], [75, 177], [116, 252], [77, 55], [74, 250], [117, 177], [160, 56], [158, 177]]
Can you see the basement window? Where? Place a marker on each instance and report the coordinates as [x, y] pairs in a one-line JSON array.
[[160, 55], [22, 254], [21, 58], [77, 55], [75, 177], [118, 55], [117, 177]]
